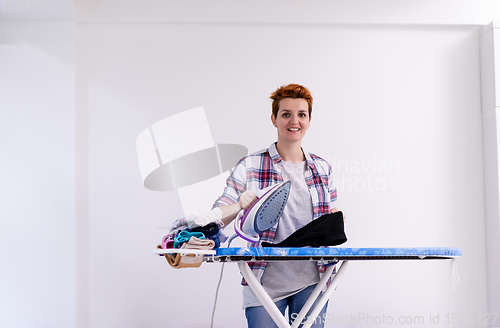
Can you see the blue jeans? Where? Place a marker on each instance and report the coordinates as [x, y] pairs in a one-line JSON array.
[[257, 316]]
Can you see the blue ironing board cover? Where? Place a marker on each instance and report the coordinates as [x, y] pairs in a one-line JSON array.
[[330, 253]]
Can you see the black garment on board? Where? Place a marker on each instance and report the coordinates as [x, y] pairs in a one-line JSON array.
[[327, 230], [211, 231]]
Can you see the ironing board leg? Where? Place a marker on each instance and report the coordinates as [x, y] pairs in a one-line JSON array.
[[314, 295], [263, 297], [326, 295]]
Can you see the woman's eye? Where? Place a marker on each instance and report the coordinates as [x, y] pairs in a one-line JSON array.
[[285, 114]]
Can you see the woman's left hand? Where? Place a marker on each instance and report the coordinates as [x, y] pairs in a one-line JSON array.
[[335, 210]]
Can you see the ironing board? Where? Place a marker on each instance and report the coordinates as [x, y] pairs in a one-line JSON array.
[[251, 254]]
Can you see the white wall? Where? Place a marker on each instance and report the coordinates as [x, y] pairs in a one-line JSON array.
[[490, 59], [37, 177], [440, 12], [407, 97], [386, 93]]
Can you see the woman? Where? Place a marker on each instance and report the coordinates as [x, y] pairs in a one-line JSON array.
[[313, 194]]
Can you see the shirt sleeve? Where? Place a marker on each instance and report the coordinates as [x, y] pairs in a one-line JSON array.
[[332, 188], [235, 186]]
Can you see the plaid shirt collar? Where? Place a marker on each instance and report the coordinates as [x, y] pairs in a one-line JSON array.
[[276, 158]]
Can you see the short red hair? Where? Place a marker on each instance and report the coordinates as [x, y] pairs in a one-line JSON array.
[[294, 91]]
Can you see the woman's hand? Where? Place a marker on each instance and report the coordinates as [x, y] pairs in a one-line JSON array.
[[335, 210], [229, 212], [247, 198]]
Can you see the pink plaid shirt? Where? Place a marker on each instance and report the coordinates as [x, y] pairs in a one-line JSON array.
[[260, 170]]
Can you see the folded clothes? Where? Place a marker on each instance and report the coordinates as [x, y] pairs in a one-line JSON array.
[[184, 236], [168, 241], [207, 222], [178, 261], [211, 231], [327, 230], [195, 243]]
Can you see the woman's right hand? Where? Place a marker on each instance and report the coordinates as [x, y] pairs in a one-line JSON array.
[[229, 212], [247, 198]]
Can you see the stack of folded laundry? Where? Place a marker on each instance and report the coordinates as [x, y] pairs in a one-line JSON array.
[[199, 231]]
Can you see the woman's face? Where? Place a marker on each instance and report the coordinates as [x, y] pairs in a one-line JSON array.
[[292, 120]]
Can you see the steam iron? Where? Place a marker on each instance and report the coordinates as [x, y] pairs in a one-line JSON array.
[[263, 214]]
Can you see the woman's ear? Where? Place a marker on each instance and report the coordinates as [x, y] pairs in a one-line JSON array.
[[273, 119]]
